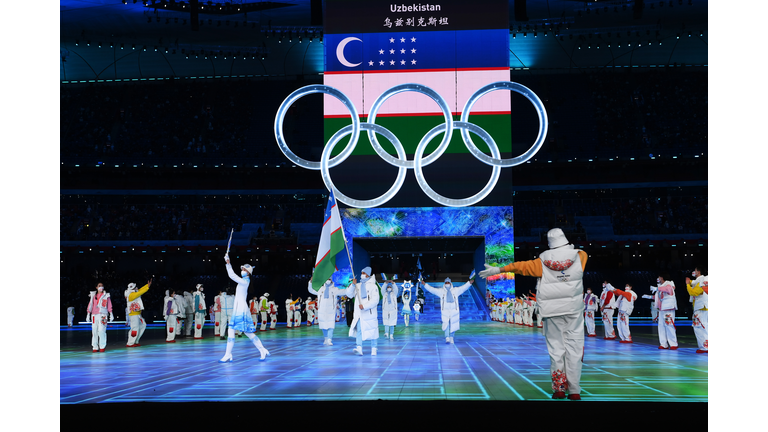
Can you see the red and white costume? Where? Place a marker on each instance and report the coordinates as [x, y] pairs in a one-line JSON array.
[[263, 310], [626, 304], [217, 315], [189, 313], [135, 305], [667, 304], [199, 308], [559, 294], [699, 291], [254, 307], [607, 307], [99, 308], [289, 312], [272, 315], [590, 307], [171, 311]]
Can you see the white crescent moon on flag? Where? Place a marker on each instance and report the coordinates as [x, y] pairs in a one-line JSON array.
[[340, 52]]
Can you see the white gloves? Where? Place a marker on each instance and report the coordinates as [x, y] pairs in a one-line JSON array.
[[111, 317], [226, 257], [88, 317], [489, 271]]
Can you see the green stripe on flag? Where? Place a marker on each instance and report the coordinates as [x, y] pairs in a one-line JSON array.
[[411, 129], [325, 268]]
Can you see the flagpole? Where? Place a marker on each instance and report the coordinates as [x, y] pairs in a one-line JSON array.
[[344, 236]]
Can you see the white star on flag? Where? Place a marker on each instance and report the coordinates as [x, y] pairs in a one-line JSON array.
[[391, 62], [402, 62], [381, 51], [402, 39], [402, 51], [391, 40], [381, 62], [413, 51], [370, 63], [413, 61], [391, 51], [413, 39]]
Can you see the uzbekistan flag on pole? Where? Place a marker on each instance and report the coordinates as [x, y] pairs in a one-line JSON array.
[[332, 252]]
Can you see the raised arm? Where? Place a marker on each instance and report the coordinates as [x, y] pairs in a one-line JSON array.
[[233, 276], [311, 290], [460, 290]]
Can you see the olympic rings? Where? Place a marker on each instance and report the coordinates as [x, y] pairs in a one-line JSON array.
[[401, 162]]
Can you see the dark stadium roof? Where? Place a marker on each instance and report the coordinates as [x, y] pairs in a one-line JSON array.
[[648, 33]]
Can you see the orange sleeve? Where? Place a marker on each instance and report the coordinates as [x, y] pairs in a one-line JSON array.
[[624, 294], [525, 268], [583, 256]]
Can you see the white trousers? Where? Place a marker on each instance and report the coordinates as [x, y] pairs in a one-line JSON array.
[[217, 324], [99, 331], [138, 325], [188, 323], [289, 318], [589, 320], [608, 323], [622, 325], [273, 324], [701, 329], [667, 331], [224, 324], [70, 318], [297, 318], [263, 321], [255, 318], [565, 343], [199, 322], [310, 316], [172, 324], [655, 314]]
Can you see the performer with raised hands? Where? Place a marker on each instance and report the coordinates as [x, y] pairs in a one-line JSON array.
[[326, 309], [241, 316], [135, 306], [406, 297], [389, 308], [559, 294], [449, 305], [625, 305]]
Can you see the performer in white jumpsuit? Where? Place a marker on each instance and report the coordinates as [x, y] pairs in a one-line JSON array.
[[289, 311], [227, 304], [699, 290], [171, 311], [263, 310], [189, 313], [310, 309], [272, 314], [449, 305], [296, 308], [667, 304], [326, 308], [590, 307], [559, 294], [626, 303], [241, 317], [217, 314], [70, 316], [365, 321], [417, 309], [98, 307], [406, 297], [389, 309], [254, 307], [135, 306], [199, 308], [607, 307]]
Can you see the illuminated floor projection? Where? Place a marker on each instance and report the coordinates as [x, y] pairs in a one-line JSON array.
[[490, 361]]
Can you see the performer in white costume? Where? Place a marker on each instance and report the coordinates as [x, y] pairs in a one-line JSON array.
[[241, 317], [254, 307], [365, 321], [527, 311], [667, 304], [135, 306], [699, 291], [99, 306], [272, 314], [559, 294], [227, 305], [537, 310], [449, 305], [406, 297], [310, 309], [326, 308], [199, 308], [416, 309], [590, 307], [189, 313], [171, 311], [289, 311], [70, 315], [607, 308], [217, 314], [625, 305], [264, 310], [389, 309]]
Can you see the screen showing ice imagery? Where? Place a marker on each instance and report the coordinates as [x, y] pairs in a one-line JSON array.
[[495, 224]]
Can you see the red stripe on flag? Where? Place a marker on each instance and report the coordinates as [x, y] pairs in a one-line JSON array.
[[414, 70], [438, 113]]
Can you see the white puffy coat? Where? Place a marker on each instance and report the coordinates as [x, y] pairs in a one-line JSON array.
[[369, 315]]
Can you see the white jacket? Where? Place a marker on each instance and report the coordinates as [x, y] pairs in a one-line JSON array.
[[664, 301], [701, 302], [369, 315], [326, 307], [590, 302], [449, 311], [171, 306], [389, 305], [198, 298]]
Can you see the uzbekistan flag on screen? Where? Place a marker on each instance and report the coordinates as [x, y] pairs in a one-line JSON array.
[[453, 63]]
